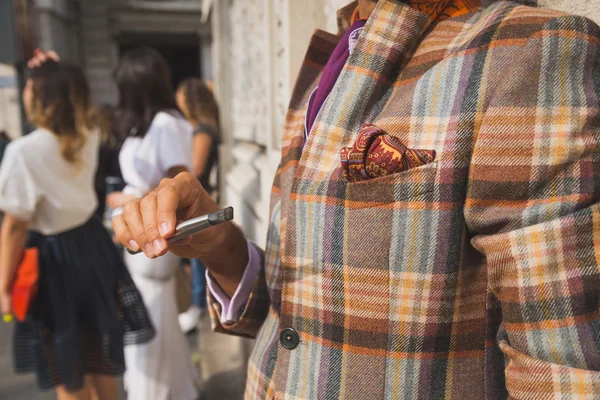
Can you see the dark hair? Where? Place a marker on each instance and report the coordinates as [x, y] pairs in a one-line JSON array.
[[61, 103], [200, 107], [103, 119], [144, 83]]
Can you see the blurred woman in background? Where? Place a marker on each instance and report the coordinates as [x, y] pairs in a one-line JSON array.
[[198, 104], [158, 146], [87, 307], [108, 156]]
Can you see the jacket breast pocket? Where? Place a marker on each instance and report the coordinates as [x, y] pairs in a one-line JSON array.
[[384, 247], [406, 186], [383, 214]]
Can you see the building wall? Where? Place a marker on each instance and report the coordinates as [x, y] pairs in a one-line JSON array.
[[587, 8], [10, 111], [8, 45], [58, 27], [258, 47], [105, 20], [99, 53]]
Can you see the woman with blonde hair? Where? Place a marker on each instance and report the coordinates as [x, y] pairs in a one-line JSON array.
[[87, 306], [196, 101]]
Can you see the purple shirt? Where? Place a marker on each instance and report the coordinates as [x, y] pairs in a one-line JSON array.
[[233, 308]]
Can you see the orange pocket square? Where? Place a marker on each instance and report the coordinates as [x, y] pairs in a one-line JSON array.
[[375, 154]]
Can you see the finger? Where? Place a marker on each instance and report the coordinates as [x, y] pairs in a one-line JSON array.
[[53, 55], [123, 233], [133, 218], [180, 244], [148, 209], [111, 202], [167, 201], [180, 197], [164, 182]]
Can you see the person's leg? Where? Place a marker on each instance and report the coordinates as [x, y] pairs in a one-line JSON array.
[[63, 394], [198, 283], [103, 387], [188, 320]]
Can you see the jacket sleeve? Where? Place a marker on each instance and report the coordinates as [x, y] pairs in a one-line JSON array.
[[259, 302], [533, 209]]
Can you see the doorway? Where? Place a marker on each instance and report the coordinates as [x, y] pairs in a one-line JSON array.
[[182, 51]]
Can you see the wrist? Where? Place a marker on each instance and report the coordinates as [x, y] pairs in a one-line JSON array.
[[226, 256]]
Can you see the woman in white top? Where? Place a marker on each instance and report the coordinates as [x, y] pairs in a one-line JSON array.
[[158, 146], [87, 307]]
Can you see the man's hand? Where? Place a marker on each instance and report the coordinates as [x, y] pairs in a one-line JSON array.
[[146, 224], [118, 199]]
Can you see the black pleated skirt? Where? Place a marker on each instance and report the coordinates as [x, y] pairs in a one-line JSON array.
[[87, 308]]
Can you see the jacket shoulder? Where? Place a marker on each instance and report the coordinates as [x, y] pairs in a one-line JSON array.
[[523, 20]]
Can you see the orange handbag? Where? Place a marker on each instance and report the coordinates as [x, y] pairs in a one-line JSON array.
[[25, 287]]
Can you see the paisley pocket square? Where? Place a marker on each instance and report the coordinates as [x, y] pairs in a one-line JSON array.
[[376, 154]]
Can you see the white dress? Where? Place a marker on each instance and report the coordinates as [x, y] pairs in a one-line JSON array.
[[161, 369]]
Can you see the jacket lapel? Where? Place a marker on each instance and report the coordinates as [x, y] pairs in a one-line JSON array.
[[320, 48], [385, 45]]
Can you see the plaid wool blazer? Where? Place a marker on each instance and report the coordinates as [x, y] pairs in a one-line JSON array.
[[475, 276]]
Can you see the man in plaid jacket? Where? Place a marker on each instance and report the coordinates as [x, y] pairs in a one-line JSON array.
[[435, 224]]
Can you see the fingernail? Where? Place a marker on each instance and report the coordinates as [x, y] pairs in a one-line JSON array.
[[164, 228], [158, 246], [133, 245], [149, 250]]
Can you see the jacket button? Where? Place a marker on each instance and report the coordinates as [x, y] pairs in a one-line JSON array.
[[289, 338]]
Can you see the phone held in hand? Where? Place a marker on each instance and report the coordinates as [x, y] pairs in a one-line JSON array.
[[198, 224]]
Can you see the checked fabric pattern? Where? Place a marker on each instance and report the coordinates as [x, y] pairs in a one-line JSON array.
[[475, 276], [376, 154]]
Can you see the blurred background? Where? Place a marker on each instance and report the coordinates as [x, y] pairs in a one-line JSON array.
[[248, 50]]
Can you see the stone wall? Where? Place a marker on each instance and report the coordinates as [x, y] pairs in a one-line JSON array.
[[258, 48], [105, 20], [58, 27], [587, 8]]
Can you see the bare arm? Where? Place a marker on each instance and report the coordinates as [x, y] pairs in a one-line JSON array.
[[202, 144], [13, 236]]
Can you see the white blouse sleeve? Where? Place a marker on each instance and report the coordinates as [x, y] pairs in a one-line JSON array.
[[19, 194], [174, 147]]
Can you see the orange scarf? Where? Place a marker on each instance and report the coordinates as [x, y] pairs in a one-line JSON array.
[[438, 10]]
